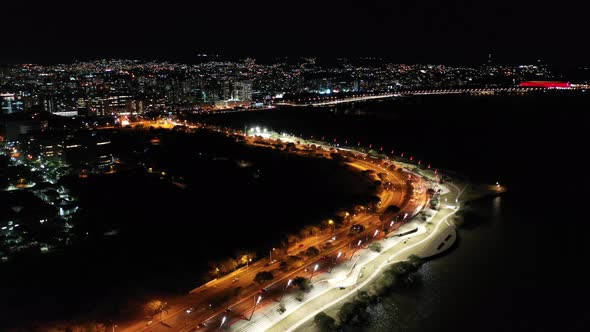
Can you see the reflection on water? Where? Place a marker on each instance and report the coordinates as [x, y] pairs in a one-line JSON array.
[[451, 282], [497, 201], [491, 280]]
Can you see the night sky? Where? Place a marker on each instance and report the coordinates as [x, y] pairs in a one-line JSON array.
[[403, 31]]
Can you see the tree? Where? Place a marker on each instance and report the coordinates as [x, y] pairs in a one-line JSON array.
[[245, 257], [377, 187], [155, 307], [281, 308], [290, 146], [302, 283], [299, 296], [392, 209], [347, 312], [284, 266], [324, 322], [382, 176], [295, 261], [313, 229], [238, 291], [364, 297], [390, 212], [291, 239], [415, 260], [403, 268], [263, 276], [359, 209], [312, 251], [337, 157], [353, 313], [373, 202], [367, 172], [227, 265], [376, 247], [309, 230]]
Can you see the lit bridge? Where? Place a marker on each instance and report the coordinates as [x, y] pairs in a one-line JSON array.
[[333, 100]]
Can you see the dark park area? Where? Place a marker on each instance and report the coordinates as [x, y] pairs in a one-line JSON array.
[[178, 203]]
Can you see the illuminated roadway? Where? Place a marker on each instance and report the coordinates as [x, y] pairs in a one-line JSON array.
[[423, 244], [334, 99], [220, 292]]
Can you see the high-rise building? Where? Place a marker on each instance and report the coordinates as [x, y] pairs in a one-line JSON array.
[[117, 103], [97, 106], [11, 103], [356, 84], [49, 105], [226, 90], [244, 90], [236, 91]]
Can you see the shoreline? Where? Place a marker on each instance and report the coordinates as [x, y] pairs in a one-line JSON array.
[[215, 285], [428, 253]]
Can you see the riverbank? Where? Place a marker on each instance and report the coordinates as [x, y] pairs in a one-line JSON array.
[[439, 236], [497, 257]]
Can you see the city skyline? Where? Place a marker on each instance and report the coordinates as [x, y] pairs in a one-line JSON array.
[[453, 33], [109, 87], [292, 166]]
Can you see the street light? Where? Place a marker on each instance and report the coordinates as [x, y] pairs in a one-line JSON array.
[[270, 252], [285, 289], [335, 260], [355, 249], [255, 304], [331, 222], [248, 261], [315, 268]]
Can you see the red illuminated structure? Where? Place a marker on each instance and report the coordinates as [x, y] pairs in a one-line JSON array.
[[546, 84]]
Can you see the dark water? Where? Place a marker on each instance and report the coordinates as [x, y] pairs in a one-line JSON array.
[[519, 262]]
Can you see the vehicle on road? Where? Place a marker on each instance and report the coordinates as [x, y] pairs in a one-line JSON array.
[[236, 279], [356, 229], [189, 310], [341, 287]]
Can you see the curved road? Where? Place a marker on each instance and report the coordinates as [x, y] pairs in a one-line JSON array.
[[210, 303]]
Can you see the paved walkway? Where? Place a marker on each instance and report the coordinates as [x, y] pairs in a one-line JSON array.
[[433, 236]]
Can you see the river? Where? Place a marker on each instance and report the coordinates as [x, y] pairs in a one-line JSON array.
[[517, 262]]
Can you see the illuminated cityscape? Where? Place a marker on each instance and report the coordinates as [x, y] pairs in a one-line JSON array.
[[309, 166], [109, 87]]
